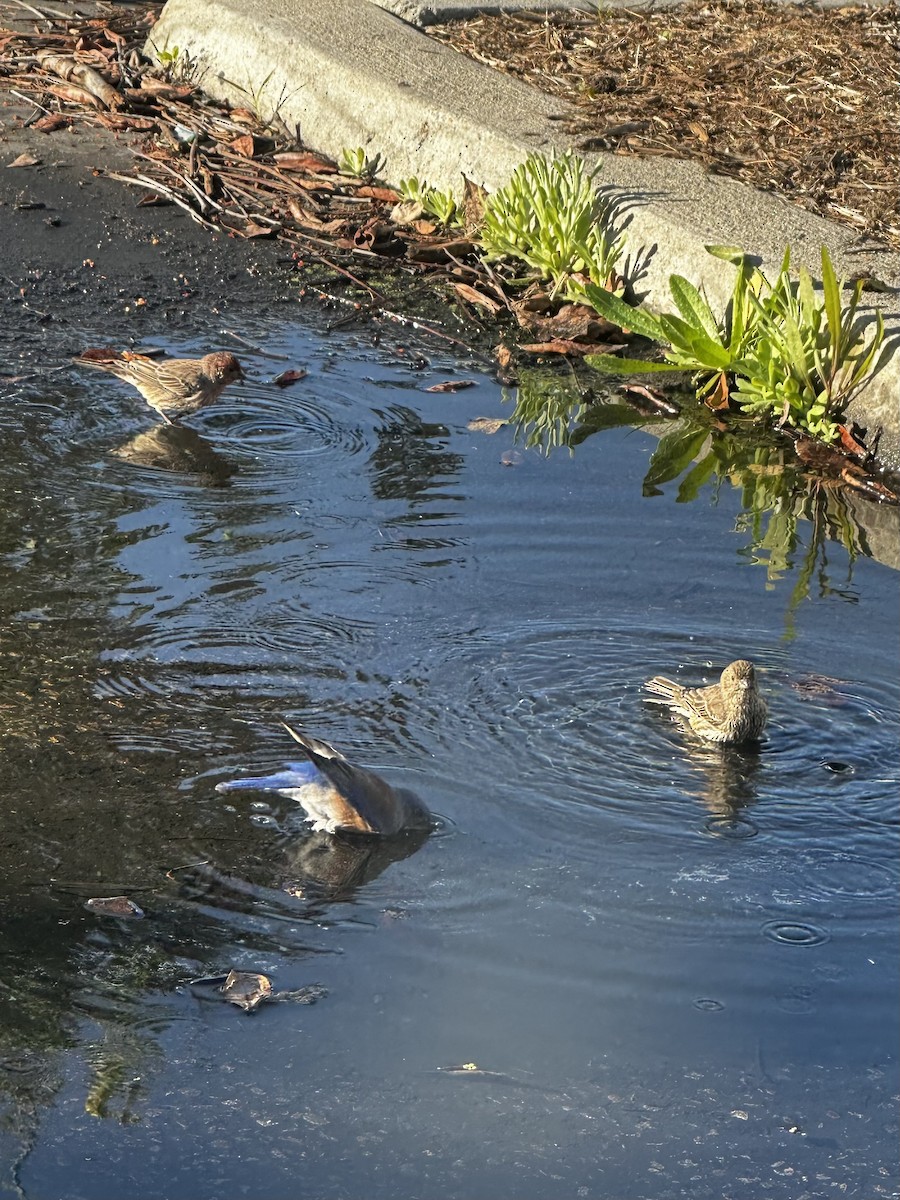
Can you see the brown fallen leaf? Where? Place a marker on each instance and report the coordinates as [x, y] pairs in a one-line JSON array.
[[166, 91], [119, 122], [294, 160], [73, 94], [114, 906], [316, 185], [562, 346], [475, 297], [442, 251], [246, 989], [81, 75], [851, 445], [486, 424], [99, 354], [244, 145], [51, 122], [253, 230], [243, 116], [572, 322], [474, 197], [373, 192], [25, 160], [719, 396], [451, 385], [286, 378]]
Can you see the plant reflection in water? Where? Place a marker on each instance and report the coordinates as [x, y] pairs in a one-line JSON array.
[[789, 512]]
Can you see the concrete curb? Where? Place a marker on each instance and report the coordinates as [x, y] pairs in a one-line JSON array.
[[348, 74]]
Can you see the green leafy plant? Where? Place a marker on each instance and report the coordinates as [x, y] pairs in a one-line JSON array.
[[809, 355], [440, 205], [780, 349], [357, 163], [551, 217], [168, 58]]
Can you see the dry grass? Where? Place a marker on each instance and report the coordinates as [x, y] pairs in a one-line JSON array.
[[788, 98]]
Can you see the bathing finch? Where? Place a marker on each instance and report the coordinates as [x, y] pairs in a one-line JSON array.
[[174, 387], [729, 712]]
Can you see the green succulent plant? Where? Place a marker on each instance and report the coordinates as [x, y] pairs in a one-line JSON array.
[[551, 217], [440, 205], [357, 163]]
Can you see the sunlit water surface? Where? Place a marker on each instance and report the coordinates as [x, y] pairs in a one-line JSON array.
[[674, 969]]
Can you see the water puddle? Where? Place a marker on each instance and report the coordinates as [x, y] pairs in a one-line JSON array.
[[600, 929]]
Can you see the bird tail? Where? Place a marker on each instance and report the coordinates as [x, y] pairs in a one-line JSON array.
[[313, 747], [660, 686]]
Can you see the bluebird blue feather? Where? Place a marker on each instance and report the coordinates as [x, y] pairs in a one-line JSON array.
[[337, 796]]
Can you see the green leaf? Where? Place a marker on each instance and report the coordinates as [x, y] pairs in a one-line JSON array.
[[611, 364], [613, 309], [673, 454], [731, 254], [690, 486], [610, 416], [832, 292], [693, 307]]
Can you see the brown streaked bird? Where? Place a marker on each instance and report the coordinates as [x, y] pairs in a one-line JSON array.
[[174, 387], [338, 797], [729, 712]]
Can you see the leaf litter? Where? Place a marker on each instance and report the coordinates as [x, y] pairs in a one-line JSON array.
[[792, 98]]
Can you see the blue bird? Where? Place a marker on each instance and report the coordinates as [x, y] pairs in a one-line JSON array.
[[338, 797]]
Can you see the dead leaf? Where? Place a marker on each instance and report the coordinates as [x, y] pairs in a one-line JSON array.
[[442, 251], [246, 989], [451, 385], [243, 116], [244, 145], [851, 445], [120, 122], [698, 131], [294, 160], [51, 122], [407, 212], [571, 323], [373, 192], [504, 355], [253, 230], [165, 91], [718, 397], [286, 378], [25, 160], [473, 296], [474, 197], [560, 346], [82, 76], [114, 906], [99, 354], [72, 94], [424, 227], [486, 424]]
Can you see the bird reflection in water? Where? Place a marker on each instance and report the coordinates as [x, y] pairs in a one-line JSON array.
[[728, 786], [179, 449]]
